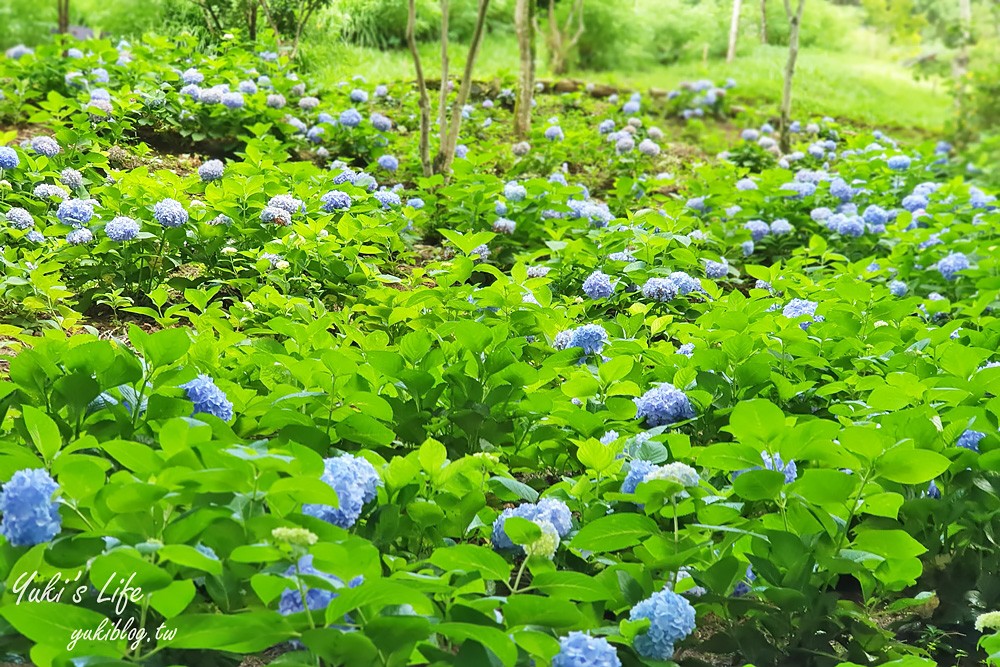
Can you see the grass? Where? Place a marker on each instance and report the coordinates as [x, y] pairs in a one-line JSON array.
[[864, 86]]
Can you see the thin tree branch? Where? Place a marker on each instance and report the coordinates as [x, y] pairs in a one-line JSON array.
[[425, 103], [443, 93], [446, 154]]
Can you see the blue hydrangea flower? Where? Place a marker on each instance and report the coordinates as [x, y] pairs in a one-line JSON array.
[[933, 491], [388, 162], [663, 405], [75, 212], [554, 133], [898, 163], [875, 215], [247, 87], [122, 229], [898, 288], [356, 482], [606, 126], [415, 202], [350, 118], [287, 203], [276, 101], [192, 75], [46, 146], [915, 202], [170, 213], [747, 248], [232, 100], [548, 509], [275, 215], [208, 398], [672, 618], [797, 308], [191, 90], [504, 226], [316, 598], [581, 650], [335, 200], [660, 289], [631, 107], [381, 90], [71, 178], [9, 158], [211, 95], [847, 225], [598, 286], [970, 439], [19, 218], [380, 122], [952, 264], [461, 151], [781, 227], [359, 96], [35, 236], [308, 103], [716, 269], [388, 199], [624, 144], [775, 463], [514, 191], [80, 236], [637, 472], [758, 229], [590, 337], [745, 184], [800, 189], [649, 148], [687, 349], [743, 587], [211, 170], [30, 514]]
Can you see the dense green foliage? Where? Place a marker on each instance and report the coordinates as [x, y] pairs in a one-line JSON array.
[[428, 338]]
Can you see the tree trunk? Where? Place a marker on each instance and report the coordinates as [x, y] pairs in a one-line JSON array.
[[794, 23], [734, 31], [524, 26], [252, 22], [763, 21], [443, 94], [446, 152], [63, 15], [425, 102]]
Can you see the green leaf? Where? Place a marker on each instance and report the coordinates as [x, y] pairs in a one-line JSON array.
[[758, 420], [496, 641], [173, 599], [161, 348], [570, 585], [614, 532], [536, 610], [44, 432], [519, 489], [239, 633], [911, 466], [54, 624], [521, 531], [759, 484], [595, 455], [472, 558]]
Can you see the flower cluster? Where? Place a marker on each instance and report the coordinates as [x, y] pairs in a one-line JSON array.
[[356, 482], [30, 512]]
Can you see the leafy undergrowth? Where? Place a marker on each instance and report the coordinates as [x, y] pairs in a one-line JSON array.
[[598, 396]]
